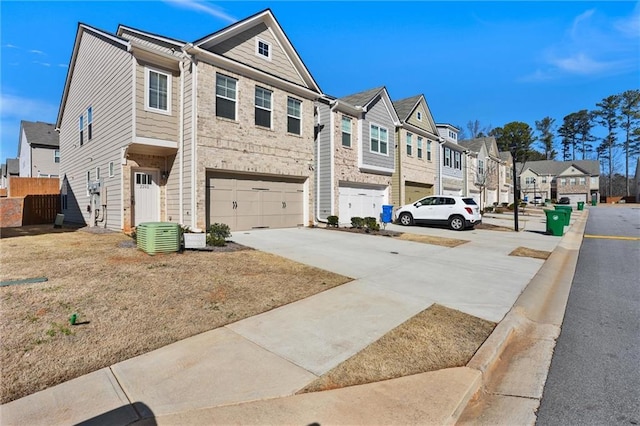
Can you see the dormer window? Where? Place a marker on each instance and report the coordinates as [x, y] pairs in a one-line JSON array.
[[263, 49], [419, 116]]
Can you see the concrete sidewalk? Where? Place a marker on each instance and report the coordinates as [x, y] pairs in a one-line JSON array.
[[249, 371]]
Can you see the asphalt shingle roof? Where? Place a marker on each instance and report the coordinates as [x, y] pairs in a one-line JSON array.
[[362, 98], [554, 168], [42, 134], [404, 107]]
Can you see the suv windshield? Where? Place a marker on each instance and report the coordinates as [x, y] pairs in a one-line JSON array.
[[469, 201]]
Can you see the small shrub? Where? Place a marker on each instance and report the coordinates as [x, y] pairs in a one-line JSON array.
[[371, 224], [357, 222], [505, 205], [332, 221], [499, 210], [488, 209], [510, 207], [495, 204], [218, 234]]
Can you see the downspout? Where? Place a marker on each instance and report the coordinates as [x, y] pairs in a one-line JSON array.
[[194, 151], [440, 143], [181, 142], [317, 218]]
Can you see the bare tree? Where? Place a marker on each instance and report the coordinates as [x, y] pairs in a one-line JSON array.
[[476, 130]]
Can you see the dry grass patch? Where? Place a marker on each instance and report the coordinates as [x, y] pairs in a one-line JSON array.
[[436, 338], [430, 239], [127, 302], [527, 252], [490, 227]]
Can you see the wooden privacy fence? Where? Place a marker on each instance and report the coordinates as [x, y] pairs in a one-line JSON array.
[[23, 186], [39, 209]]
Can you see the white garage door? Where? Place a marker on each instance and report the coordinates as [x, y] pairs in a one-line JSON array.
[[360, 202], [575, 198], [248, 202]]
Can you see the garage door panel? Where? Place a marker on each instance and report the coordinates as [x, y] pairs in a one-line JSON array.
[[415, 192], [256, 203], [359, 202]]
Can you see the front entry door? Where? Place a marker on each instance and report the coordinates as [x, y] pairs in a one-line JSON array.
[[146, 201]]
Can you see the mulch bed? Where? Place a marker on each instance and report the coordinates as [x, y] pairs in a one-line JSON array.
[[382, 232]]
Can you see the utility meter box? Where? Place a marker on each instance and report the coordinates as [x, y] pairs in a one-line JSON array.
[[94, 187]]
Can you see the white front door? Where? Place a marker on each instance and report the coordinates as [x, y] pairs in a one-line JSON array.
[[146, 200]]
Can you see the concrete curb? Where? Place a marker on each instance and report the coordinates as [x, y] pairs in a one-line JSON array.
[[537, 314]]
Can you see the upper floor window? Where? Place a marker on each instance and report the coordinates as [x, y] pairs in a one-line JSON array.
[[263, 107], [346, 131], [453, 135], [158, 91], [56, 156], [572, 181], [529, 180], [543, 179], [428, 150], [594, 181], [111, 169], [447, 157], [226, 96], [419, 147], [458, 163], [563, 181], [419, 115], [582, 181], [409, 144], [263, 49], [97, 173], [294, 115], [81, 128], [379, 140], [89, 123], [481, 167]]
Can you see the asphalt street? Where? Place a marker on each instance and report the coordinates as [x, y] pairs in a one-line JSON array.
[[594, 377]]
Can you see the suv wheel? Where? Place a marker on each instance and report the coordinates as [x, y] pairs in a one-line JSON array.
[[456, 223], [405, 219]]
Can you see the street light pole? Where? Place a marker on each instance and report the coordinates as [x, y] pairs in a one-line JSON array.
[[516, 198], [534, 192]]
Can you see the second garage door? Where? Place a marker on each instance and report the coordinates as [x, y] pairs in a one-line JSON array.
[[247, 202], [415, 191], [360, 202]]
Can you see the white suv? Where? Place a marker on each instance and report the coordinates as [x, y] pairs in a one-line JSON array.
[[456, 212]]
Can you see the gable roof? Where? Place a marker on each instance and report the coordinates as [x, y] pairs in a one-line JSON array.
[[554, 168], [365, 99], [82, 28], [267, 18], [40, 134], [405, 107]]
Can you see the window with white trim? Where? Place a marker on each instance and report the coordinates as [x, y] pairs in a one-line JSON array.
[[226, 96], [89, 123], [56, 156], [447, 157], [594, 180], [409, 144], [157, 91], [263, 107], [346, 131], [263, 49], [81, 128], [563, 181], [379, 140], [419, 147], [111, 170], [572, 181], [481, 167], [419, 115], [294, 115], [458, 162], [97, 173], [428, 150], [529, 180], [582, 181]]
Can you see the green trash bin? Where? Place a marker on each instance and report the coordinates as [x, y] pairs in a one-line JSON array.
[[580, 205], [567, 210], [555, 222]]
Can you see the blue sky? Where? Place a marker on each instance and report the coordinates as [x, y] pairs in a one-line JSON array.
[[495, 62]]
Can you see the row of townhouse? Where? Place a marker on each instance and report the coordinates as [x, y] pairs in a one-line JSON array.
[[233, 128]]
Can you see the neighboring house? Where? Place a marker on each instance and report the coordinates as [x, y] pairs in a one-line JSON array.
[[38, 150], [452, 179], [10, 168], [506, 178], [489, 172], [355, 157], [416, 149], [550, 180], [218, 130]]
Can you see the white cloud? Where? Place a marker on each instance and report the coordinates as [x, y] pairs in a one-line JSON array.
[[593, 45], [63, 65], [201, 6], [44, 64], [11, 46], [37, 52]]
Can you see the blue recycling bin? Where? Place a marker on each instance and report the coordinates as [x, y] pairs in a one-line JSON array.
[[387, 214]]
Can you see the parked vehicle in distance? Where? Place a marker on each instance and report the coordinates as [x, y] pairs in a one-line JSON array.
[[456, 212], [564, 200]]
